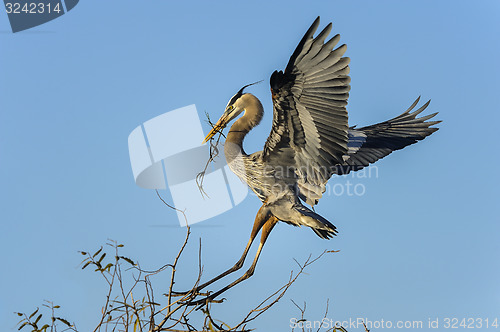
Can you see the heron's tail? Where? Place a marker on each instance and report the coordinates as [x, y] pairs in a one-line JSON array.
[[322, 227]]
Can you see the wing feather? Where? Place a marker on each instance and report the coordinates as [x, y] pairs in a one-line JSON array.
[[371, 143], [310, 129], [310, 115]]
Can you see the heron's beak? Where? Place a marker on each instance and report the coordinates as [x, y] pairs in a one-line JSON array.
[[221, 124]]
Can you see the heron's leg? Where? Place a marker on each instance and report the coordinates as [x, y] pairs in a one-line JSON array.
[[266, 229], [260, 220]]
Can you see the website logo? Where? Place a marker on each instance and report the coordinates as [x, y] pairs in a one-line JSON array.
[[167, 150]]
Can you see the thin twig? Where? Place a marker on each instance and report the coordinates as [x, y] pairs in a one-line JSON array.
[[214, 152], [261, 308], [325, 315]]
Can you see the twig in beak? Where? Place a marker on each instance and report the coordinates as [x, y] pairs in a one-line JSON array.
[[214, 152]]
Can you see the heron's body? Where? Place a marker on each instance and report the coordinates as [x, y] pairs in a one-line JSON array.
[[310, 139], [274, 181]]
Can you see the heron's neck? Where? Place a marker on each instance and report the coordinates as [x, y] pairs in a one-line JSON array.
[[251, 117]]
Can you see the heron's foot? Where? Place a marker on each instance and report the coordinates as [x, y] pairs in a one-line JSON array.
[[193, 292], [204, 301], [190, 297], [175, 294]]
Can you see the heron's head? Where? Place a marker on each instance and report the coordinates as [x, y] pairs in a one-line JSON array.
[[235, 106]]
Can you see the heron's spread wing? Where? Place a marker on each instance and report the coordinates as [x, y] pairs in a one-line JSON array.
[[310, 129], [369, 144]]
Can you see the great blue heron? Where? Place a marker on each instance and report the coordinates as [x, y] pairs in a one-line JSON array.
[[310, 140]]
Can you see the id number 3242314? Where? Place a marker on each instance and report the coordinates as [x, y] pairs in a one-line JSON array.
[[470, 323], [32, 8]]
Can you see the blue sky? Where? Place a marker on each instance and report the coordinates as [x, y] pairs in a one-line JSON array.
[[421, 243]]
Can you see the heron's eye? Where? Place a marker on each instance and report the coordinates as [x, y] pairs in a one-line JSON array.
[[230, 108]]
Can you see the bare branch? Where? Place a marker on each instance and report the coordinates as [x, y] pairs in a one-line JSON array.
[[130, 302]]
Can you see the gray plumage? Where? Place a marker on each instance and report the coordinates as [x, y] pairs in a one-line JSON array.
[[310, 139]]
